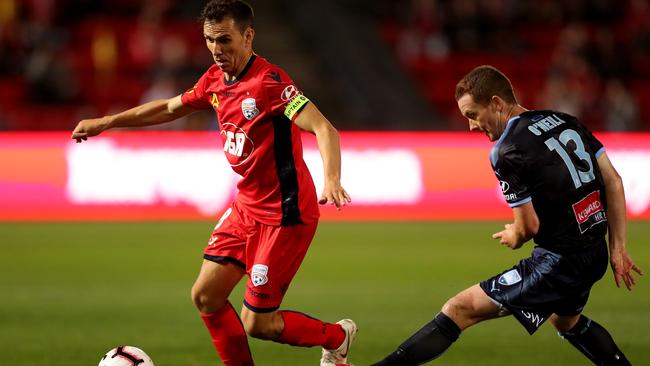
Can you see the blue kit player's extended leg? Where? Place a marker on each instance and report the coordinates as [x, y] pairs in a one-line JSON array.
[[426, 344], [594, 341]]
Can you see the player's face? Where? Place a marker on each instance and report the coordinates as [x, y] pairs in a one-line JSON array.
[[481, 118], [229, 47]]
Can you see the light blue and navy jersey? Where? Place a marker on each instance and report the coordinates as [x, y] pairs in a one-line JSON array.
[[549, 158]]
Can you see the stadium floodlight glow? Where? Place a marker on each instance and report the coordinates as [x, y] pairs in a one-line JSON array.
[[169, 175], [636, 180], [392, 176], [101, 172]]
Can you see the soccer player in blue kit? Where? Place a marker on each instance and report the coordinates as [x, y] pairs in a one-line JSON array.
[[566, 196]]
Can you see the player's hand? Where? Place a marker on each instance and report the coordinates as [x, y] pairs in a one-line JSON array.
[[623, 267], [334, 194], [88, 128], [508, 237]]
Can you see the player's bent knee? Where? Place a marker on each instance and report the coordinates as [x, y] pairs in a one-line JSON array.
[[266, 326], [469, 307], [206, 302], [257, 330], [457, 306], [260, 327], [563, 323]]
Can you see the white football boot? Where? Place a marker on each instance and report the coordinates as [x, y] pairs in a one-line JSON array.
[[339, 356]]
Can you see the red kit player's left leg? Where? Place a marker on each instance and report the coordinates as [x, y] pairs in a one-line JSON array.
[[228, 336], [210, 292], [271, 256], [277, 252], [304, 331]]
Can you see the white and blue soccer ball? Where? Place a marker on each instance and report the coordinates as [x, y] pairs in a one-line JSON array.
[[126, 356]]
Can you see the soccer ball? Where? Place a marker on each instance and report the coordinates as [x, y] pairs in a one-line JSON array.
[[126, 356]]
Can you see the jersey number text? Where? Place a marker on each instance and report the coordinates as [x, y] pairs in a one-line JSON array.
[[565, 137]]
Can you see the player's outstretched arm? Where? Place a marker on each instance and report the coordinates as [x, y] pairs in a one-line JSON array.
[[312, 120], [522, 229], [152, 113], [622, 264]]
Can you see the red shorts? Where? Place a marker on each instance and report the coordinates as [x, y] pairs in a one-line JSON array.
[[270, 255]]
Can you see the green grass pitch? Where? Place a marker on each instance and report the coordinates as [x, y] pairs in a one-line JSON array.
[[71, 291]]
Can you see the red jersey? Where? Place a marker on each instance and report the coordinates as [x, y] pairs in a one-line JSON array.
[[260, 140]]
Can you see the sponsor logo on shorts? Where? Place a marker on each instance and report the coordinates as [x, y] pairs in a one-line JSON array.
[[223, 218], [213, 239], [533, 318], [510, 197], [259, 295], [494, 287], [505, 187], [589, 211], [510, 278], [259, 274]]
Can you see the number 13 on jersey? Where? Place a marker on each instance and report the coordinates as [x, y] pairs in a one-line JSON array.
[[560, 147]]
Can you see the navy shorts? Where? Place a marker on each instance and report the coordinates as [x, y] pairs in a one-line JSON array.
[[547, 283]]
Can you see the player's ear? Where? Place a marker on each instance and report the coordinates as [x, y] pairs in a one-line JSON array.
[[497, 103], [249, 34], [494, 104]]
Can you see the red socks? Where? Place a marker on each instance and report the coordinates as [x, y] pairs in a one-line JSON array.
[[228, 336], [304, 331], [300, 330]]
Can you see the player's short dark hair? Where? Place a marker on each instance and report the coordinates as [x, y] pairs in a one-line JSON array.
[[240, 11], [483, 83]]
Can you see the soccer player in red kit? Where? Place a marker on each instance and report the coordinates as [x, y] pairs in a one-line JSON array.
[[268, 228]]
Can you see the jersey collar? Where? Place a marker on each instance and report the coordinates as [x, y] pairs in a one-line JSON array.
[[242, 73], [494, 153]]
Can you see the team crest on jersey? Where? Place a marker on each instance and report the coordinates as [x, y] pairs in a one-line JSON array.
[[509, 278], [259, 274], [249, 108]]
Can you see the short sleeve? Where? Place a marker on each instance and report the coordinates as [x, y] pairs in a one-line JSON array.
[[284, 96], [594, 144], [510, 169], [196, 97]]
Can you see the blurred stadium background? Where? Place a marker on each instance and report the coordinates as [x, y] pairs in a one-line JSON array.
[[384, 71], [370, 64]]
